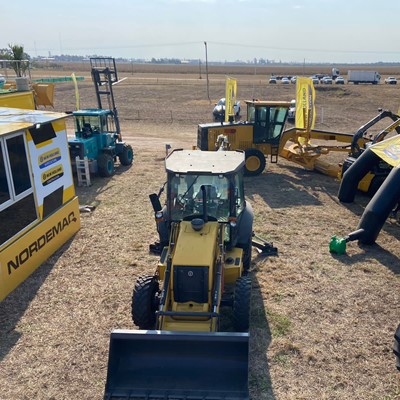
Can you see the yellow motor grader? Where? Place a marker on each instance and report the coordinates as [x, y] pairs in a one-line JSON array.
[[205, 229], [264, 134]]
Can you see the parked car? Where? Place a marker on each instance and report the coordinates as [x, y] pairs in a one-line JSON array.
[[391, 80], [272, 80], [339, 80], [219, 110], [327, 80], [292, 110], [315, 80], [285, 81], [293, 79]]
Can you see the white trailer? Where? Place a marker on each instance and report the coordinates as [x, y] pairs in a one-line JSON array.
[[363, 77]]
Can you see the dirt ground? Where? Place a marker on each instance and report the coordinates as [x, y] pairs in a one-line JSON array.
[[322, 325]]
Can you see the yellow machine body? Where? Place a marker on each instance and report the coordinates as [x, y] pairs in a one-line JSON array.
[[196, 250], [14, 99]]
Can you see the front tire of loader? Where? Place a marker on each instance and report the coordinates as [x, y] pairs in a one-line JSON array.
[[145, 301], [241, 304], [255, 162], [105, 165], [126, 157]]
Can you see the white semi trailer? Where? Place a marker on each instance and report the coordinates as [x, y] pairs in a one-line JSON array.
[[363, 77]]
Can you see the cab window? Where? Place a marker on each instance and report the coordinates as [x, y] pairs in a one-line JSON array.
[[186, 193]]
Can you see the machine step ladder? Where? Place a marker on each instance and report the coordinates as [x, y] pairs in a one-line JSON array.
[[83, 171], [274, 153]]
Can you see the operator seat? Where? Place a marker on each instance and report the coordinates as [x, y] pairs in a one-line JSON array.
[[86, 130]]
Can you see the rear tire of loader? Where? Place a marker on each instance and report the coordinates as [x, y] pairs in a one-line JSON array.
[[145, 301], [241, 304], [255, 162]]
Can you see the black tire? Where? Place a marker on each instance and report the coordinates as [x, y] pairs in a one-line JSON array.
[[145, 301], [126, 157], [396, 347], [255, 162], [247, 248], [105, 164], [241, 304]]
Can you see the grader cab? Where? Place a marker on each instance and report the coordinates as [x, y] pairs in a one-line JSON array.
[[180, 350]]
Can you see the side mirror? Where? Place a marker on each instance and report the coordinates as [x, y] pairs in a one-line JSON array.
[[155, 202]]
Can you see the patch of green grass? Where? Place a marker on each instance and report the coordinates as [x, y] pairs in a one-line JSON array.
[[393, 396], [279, 324], [282, 359]]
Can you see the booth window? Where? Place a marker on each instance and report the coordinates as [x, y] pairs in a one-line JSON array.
[[4, 189], [17, 202]]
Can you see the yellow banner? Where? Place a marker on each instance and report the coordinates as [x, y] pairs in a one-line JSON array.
[[305, 104], [76, 91], [388, 150], [230, 97]]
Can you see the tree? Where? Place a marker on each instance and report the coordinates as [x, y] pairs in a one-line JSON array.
[[20, 60]]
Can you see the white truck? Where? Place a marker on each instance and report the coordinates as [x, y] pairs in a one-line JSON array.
[[363, 77]]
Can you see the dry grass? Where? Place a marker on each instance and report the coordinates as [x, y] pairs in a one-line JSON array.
[[321, 325]]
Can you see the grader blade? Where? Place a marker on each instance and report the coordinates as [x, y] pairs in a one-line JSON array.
[[177, 365]]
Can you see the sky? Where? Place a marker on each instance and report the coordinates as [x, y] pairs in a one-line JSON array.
[[301, 31]]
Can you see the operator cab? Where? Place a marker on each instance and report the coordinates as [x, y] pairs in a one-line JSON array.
[[91, 121], [204, 184], [189, 192], [268, 118]]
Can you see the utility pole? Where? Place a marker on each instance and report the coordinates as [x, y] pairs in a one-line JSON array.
[[208, 86]]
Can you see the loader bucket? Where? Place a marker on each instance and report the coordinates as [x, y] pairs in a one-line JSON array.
[[177, 365], [44, 94]]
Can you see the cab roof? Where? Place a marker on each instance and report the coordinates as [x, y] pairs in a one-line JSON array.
[[204, 162], [93, 112], [268, 103], [16, 119]]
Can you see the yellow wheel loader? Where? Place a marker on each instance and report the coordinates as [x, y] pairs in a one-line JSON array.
[[205, 229]]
